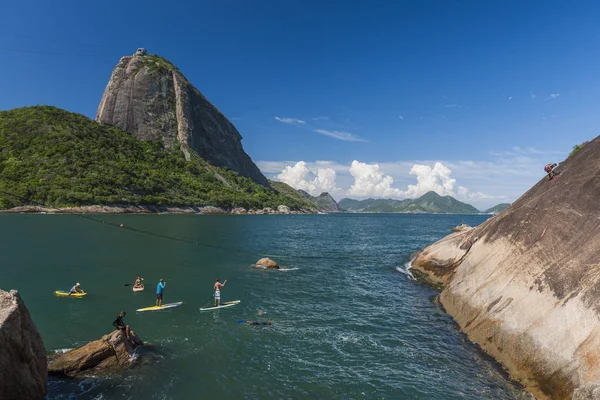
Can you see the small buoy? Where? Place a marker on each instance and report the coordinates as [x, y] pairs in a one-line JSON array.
[[121, 225]]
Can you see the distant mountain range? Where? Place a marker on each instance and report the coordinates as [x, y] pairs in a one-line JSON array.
[[324, 201], [497, 209], [430, 202]]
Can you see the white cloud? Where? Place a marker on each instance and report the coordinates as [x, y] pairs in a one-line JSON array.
[[452, 105], [553, 96], [533, 96], [510, 98], [400, 116], [370, 181], [320, 118], [290, 120], [300, 177], [428, 179], [349, 137], [504, 177]]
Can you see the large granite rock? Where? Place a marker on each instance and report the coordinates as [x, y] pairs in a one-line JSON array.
[[111, 353], [267, 263], [525, 285], [150, 98], [22, 353]]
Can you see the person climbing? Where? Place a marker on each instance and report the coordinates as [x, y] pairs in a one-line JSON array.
[[120, 325], [138, 283], [549, 168], [76, 289], [160, 288], [218, 285]]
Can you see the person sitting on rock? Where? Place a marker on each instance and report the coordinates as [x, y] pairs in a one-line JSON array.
[[549, 168], [76, 289], [138, 283], [120, 325]]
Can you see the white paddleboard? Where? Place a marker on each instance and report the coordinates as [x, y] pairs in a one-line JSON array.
[[223, 305], [155, 308]]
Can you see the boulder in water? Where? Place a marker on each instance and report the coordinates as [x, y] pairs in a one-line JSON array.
[[111, 353], [267, 263], [22, 354]]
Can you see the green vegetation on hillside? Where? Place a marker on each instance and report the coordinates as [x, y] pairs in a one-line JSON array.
[[430, 202], [58, 158], [577, 147], [497, 208]]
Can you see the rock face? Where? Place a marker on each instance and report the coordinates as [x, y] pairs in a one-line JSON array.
[[267, 263], [525, 284], [111, 353], [324, 201], [22, 354], [150, 98]]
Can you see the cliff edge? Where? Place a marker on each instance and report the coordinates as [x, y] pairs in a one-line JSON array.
[[150, 98], [525, 285], [23, 371]]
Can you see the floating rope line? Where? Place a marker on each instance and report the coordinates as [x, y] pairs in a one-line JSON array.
[[142, 231]]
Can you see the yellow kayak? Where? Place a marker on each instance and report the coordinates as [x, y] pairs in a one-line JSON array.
[[60, 293]]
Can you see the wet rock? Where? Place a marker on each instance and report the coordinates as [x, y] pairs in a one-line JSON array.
[[22, 354], [111, 353]]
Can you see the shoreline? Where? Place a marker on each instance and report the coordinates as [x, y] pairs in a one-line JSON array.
[[151, 209]]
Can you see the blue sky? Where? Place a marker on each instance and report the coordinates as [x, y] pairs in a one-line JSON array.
[[490, 90]]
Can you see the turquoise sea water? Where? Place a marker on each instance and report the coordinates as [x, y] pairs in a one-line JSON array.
[[348, 322]]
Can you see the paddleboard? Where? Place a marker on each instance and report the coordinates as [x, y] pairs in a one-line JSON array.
[[223, 305], [138, 289], [155, 308], [60, 293]]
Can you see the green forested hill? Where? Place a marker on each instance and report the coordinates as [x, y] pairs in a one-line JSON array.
[[58, 158], [430, 202]]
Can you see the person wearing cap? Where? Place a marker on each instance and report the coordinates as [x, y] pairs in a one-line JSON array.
[[160, 288], [76, 289]]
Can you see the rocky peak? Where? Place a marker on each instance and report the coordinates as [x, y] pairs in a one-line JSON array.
[[149, 97]]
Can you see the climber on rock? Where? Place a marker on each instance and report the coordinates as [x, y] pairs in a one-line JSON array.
[[549, 168]]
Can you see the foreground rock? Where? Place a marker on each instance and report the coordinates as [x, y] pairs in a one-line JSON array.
[[525, 285], [150, 98], [22, 354], [111, 353], [267, 263]]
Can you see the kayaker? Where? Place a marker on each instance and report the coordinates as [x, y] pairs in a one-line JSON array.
[[120, 325], [138, 283], [160, 288], [218, 285], [76, 289]]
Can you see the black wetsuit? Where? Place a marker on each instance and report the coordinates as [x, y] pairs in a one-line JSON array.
[[118, 323]]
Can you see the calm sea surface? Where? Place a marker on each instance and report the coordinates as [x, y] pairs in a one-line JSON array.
[[348, 322]]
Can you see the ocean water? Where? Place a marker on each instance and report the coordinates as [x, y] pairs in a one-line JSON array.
[[348, 321]]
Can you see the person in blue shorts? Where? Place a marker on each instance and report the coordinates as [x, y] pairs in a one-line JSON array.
[[160, 288]]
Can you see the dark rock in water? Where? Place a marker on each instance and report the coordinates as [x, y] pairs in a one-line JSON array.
[[150, 98], [22, 355], [111, 353], [525, 284]]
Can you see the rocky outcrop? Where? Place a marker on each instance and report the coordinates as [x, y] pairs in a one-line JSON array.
[[525, 284], [150, 98], [111, 353], [324, 201], [22, 354], [267, 263]]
